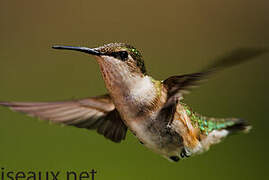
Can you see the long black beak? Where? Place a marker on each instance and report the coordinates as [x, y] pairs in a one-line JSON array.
[[81, 49]]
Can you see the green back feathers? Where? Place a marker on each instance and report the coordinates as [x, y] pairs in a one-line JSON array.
[[206, 124]]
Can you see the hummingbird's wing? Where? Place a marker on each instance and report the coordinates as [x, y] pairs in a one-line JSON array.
[[91, 113], [179, 85]]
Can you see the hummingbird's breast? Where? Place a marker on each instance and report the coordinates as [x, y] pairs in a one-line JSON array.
[[148, 124], [139, 99]]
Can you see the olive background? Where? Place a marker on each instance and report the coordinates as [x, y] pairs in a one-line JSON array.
[[175, 37]]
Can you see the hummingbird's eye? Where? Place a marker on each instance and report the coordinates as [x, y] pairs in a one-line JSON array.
[[123, 55]]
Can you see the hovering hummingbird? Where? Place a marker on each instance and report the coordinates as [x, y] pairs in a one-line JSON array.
[[152, 110]]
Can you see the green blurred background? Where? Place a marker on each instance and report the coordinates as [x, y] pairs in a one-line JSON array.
[[175, 37]]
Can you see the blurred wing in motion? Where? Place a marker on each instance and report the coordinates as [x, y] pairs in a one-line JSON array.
[[91, 113], [178, 85]]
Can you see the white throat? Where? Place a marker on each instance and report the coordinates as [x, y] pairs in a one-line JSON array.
[[142, 90]]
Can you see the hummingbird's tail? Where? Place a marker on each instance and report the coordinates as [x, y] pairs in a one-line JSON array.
[[231, 125], [215, 129], [239, 125], [209, 124]]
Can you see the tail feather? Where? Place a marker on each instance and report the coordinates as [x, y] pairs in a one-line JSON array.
[[222, 128], [240, 125], [232, 125]]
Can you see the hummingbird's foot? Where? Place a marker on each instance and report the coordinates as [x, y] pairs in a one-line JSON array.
[[174, 158], [184, 153]]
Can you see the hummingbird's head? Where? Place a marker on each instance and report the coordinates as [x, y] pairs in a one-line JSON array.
[[125, 54], [114, 53], [120, 63]]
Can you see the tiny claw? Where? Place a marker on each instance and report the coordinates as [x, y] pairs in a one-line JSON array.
[[184, 153]]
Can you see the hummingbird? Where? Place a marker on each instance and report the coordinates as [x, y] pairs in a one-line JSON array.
[[153, 110]]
